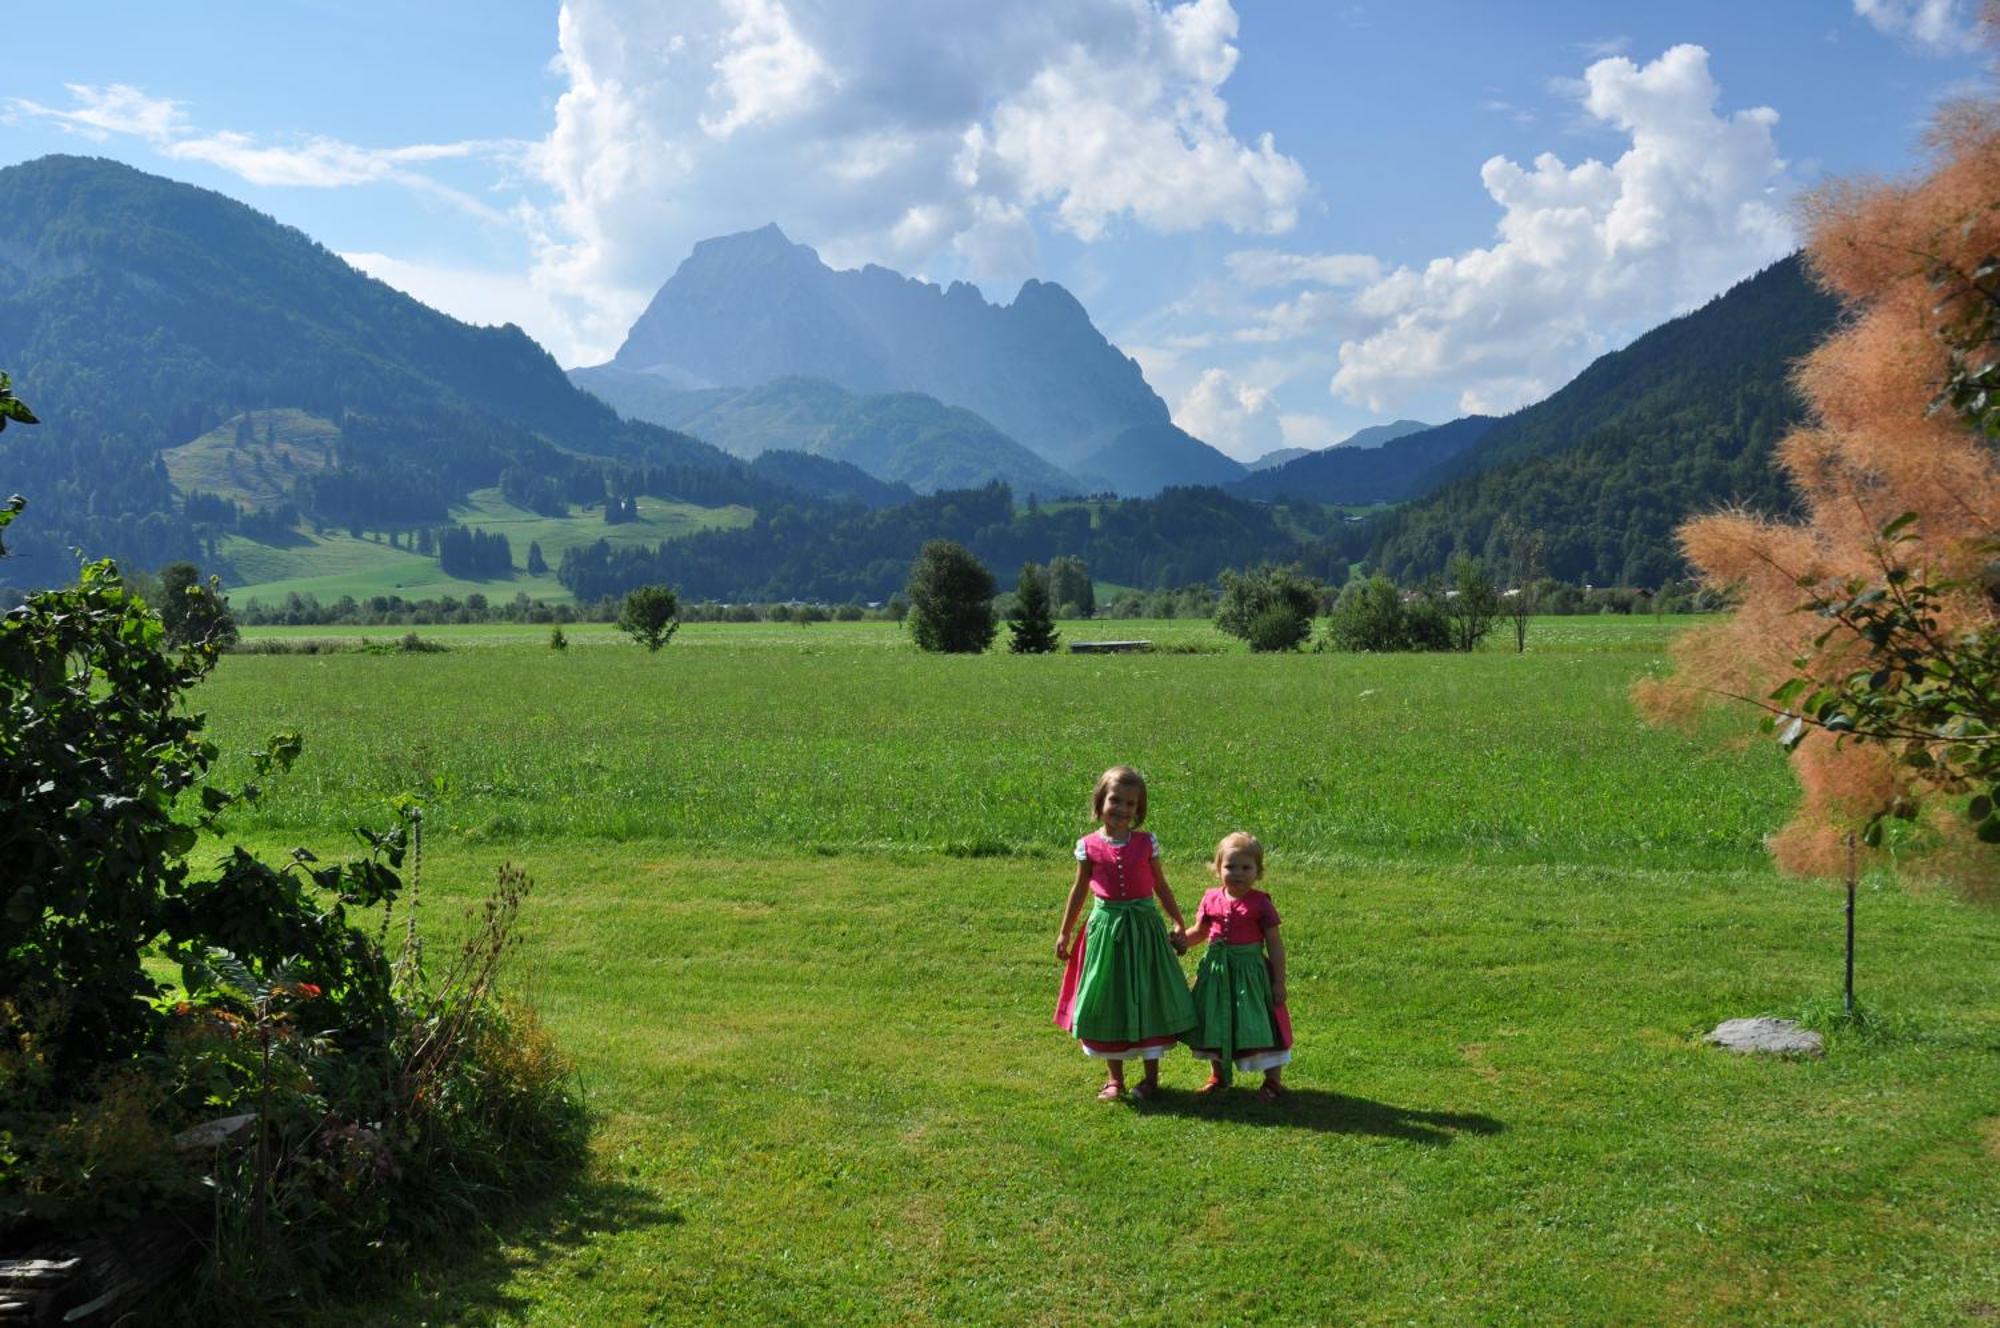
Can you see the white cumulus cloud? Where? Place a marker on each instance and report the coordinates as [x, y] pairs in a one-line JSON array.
[[1584, 256], [941, 135], [1239, 417], [767, 73], [1941, 27]]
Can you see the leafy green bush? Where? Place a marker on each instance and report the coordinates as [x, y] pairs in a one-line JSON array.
[[1249, 596], [1369, 617], [1279, 627], [385, 1105]]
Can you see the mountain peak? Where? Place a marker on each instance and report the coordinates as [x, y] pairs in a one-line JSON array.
[[748, 308], [765, 243], [1048, 297]]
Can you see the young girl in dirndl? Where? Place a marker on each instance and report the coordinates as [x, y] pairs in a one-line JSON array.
[[1123, 994], [1239, 990]]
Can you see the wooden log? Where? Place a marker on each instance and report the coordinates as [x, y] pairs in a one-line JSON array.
[[1108, 647], [100, 1278]]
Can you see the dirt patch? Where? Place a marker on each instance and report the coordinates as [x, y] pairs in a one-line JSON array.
[[1474, 1055], [1989, 1131]]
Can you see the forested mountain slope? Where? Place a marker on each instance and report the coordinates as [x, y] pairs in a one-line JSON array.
[[1403, 467], [137, 314], [1180, 536], [900, 437], [1681, 421]]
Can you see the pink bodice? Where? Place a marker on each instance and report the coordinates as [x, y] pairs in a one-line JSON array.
[[1238, 921], [1120, 871]]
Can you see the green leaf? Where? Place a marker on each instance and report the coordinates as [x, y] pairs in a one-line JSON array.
[[1790, 688]]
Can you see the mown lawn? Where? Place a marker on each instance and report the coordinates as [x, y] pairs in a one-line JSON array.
[[796, 894]]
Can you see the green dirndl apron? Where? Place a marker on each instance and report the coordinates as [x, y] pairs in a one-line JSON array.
[[1233, 1006], [1131, 988]]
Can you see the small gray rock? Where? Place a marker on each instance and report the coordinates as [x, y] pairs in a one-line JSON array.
[[1772, 1037]]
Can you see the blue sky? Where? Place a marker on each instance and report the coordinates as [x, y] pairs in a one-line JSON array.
[[1300, 217]]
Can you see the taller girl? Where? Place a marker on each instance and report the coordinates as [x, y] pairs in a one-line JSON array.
[[1123, 995]]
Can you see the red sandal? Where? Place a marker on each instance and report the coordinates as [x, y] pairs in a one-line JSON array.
[[1111, 1092]]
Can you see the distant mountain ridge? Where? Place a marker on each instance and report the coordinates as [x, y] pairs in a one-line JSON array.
[[1404, 467], [1375, 435], [745, 309], [899, 437], [1147, 458], [1277, 457]]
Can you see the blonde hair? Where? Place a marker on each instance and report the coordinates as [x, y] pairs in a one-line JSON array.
[[1114, 777], [1235, 841]]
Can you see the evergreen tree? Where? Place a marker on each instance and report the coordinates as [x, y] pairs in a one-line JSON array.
[[537, 565], [1032, 624], [951, 600]]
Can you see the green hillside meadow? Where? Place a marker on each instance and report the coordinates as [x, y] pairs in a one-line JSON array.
[[333, 564], [797, 889]]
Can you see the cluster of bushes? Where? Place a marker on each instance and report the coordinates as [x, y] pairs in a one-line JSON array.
[[1273, 609], [307, 610], [1195, 601], [343, 1100], [712, 612]]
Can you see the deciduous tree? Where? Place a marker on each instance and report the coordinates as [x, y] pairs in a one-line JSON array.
[[1250, 598], [951, 600], [1870, 623], [194, 611], [651, 615]]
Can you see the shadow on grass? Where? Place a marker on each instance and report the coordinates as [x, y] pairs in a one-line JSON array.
[[464, 1278], [1326, 1113]]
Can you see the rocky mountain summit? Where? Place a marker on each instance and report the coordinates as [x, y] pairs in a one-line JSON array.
[[745, 309]]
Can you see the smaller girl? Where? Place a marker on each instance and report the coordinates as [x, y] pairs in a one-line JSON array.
[[1123, 995], [1239, 991]]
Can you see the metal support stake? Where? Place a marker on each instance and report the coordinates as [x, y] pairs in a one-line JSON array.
[[1852, 859]]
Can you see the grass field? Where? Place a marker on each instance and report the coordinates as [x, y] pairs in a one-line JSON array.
[[797, 890]]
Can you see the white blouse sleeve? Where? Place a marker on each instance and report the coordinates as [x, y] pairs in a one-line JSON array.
[[1082, 853], [1156, 842]]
